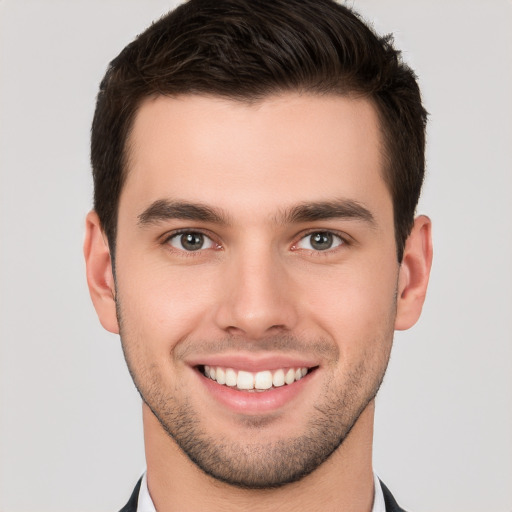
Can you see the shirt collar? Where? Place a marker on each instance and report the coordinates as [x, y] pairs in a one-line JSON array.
[[145, 503]]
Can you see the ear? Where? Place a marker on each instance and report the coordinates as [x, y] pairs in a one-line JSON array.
[[414, 274], [100, 278]]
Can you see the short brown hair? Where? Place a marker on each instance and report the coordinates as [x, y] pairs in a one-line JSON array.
[[246, 50]]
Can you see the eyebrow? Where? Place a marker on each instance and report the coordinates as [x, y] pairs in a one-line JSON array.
[[163, 209], [323, 210]]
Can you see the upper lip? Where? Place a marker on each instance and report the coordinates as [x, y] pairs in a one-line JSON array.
[[252, 362]]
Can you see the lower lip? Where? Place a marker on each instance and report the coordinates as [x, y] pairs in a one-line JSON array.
[[255, 402]]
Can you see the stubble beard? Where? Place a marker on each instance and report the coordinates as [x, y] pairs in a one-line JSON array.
[[260, 464]]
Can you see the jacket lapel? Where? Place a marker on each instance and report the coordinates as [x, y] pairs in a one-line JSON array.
[[131, 506], [391, 504]]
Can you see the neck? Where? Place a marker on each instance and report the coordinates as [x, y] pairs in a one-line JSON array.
[[343, 482]]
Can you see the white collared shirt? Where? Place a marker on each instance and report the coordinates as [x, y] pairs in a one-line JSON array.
[[146, 503]]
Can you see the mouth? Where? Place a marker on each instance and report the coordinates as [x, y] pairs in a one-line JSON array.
[[254, 386], [260, 381]]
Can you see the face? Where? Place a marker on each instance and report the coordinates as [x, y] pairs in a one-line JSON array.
[[256, 277]]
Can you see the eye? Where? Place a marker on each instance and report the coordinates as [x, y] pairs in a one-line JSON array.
[[320, 241], [191, 241]]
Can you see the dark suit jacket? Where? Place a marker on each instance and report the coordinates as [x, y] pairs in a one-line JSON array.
[[391, 504]]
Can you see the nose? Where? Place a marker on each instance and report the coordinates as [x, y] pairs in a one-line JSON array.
[[257, 297]]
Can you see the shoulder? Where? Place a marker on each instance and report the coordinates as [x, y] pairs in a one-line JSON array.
[[131, 506]]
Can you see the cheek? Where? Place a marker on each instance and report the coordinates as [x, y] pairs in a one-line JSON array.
[[358, 307], [163, 303]]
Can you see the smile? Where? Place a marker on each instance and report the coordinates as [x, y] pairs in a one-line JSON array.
[[254, 381]]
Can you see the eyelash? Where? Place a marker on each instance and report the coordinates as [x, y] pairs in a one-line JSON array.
[[180, 232], [344, 241]]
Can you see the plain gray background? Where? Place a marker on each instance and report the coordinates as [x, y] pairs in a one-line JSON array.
[[70, 426]]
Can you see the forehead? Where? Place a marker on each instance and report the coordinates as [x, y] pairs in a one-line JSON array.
[[281, 150]]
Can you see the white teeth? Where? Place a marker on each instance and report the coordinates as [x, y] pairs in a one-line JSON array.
[[230, 377], [278, 378], [221, 376], [247, 381], [263, 380], [290, 376]]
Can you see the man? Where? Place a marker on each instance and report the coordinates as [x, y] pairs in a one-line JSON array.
[[257, 166]]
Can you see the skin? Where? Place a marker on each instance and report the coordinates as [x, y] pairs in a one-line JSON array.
[[258, 291]]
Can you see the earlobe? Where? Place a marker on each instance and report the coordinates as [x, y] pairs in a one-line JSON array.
[[414, 274], [100, 277]]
